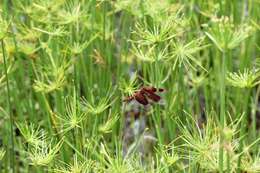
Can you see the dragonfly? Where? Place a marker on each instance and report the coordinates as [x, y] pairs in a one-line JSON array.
[[145, 94]]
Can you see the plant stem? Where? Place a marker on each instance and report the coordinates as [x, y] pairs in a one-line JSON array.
[[254, 117], [222, 108], [12, 162], [244, 124], [228, 162]]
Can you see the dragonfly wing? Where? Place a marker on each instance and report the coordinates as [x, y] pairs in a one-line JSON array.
[[141, 99], [153, 97]]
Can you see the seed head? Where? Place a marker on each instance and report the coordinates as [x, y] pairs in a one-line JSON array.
[[32, 134], [42, 155], [245, 79], [225, 35]]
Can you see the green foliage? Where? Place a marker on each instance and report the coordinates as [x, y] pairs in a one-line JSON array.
[[2, 153], [68, 69]]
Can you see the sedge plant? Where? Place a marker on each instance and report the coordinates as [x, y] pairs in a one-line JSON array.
[[67, 68]]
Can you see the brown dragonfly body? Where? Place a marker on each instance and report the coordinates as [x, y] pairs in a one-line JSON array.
[[143, 95]]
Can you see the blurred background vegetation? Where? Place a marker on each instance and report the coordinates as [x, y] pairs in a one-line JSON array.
[[67, 65]]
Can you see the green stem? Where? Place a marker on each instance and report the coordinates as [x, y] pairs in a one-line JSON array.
[[254, 117], [94, 132], [228, 162], [12, 161], [244, 124], [1, 170], [104, 26], [222, 108]]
